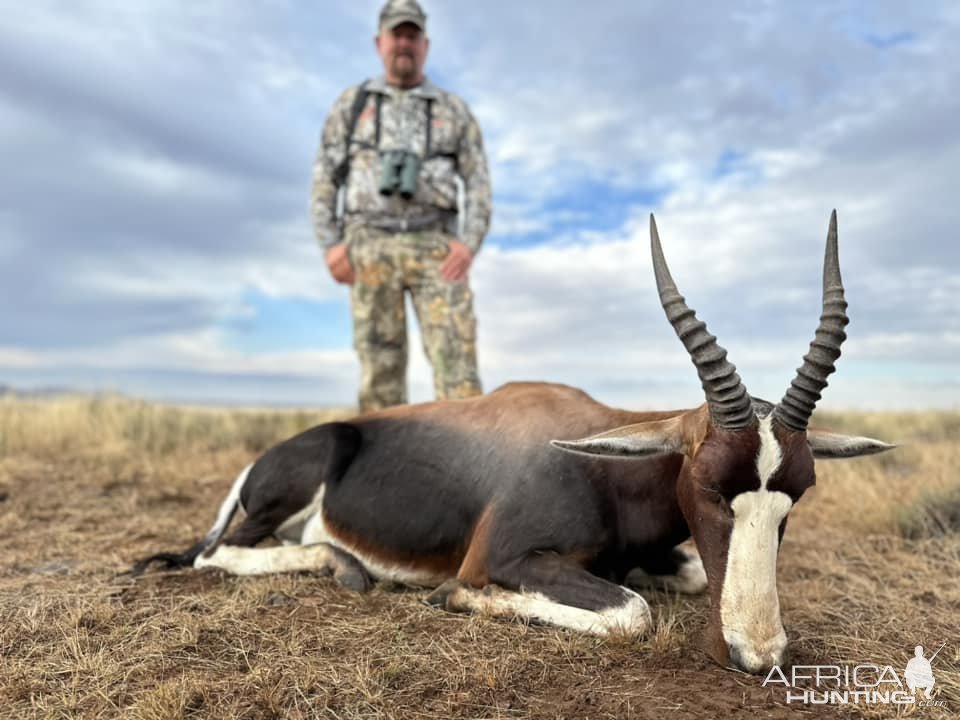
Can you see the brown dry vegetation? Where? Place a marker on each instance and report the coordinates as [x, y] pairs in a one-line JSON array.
[[870, 566]]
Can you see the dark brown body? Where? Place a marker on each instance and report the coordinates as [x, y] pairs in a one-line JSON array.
[[424, 488], [468, 492]]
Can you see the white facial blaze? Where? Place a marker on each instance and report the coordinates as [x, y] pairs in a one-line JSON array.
[[749, 606], [770, 456]]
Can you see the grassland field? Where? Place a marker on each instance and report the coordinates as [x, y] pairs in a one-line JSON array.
[[869, 568]]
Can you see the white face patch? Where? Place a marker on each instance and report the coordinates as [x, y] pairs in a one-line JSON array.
[[749, 606], [770, 455]]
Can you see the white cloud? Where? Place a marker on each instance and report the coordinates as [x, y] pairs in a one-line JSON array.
[[163, 151]]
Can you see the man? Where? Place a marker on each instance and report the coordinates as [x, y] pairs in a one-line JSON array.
[[391, 152]]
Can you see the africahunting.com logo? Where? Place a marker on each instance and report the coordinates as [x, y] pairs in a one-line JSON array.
[[866, 684]]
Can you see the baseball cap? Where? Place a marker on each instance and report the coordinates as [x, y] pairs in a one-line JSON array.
[[397, 12]]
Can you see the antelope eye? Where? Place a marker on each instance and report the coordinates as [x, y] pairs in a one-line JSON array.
[[719, 497], [729, 497]]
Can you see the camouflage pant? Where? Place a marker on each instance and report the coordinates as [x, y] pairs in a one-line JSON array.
[[386, 265]]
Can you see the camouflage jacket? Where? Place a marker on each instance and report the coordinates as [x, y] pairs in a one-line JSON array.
[[456, 149]]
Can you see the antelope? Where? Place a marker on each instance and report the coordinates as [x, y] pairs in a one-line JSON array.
[[490, 503]]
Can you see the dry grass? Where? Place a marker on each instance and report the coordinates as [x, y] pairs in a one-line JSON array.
[[84, 423], [87, 485]]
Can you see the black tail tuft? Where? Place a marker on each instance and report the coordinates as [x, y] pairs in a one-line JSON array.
[[171, 561]]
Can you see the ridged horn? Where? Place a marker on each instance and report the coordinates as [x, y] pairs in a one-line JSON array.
[[796, 407], [728, 400]]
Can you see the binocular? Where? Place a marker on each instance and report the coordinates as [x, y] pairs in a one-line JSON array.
[[399, 170]]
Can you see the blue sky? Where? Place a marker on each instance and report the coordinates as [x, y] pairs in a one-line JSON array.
[[154, 227]]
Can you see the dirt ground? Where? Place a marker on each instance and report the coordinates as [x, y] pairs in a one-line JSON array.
[[862, 580]]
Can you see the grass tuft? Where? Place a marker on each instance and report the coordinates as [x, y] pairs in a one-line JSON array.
[[935, 514]]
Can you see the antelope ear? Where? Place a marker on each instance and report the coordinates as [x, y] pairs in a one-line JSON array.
[[831, 446], [640, 440]]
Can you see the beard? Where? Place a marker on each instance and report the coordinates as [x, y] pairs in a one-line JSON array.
[[404, 66]]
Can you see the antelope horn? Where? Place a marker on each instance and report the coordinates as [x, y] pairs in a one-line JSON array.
[[796, 407], [728, 400]]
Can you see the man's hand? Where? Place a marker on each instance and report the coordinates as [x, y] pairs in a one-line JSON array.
[[457, 262], [339, 264]]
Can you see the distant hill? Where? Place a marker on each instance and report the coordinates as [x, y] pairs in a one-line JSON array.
[[40, 392]]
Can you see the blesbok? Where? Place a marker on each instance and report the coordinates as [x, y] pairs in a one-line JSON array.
[[471, 497]]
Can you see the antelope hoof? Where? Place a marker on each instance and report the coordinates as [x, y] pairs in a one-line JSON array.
[[440, 596], [354, 579]]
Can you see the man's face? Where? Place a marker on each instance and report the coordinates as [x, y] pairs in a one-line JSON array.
[[403, 51]]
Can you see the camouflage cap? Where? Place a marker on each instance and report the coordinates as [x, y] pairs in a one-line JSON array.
[[397, 12]]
